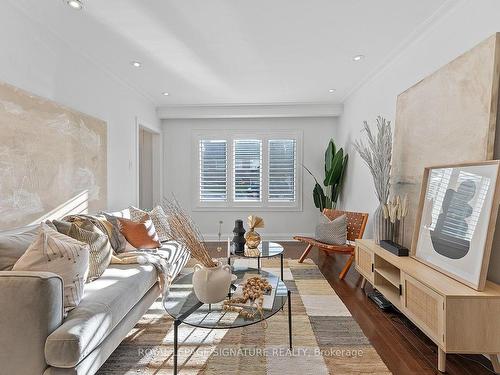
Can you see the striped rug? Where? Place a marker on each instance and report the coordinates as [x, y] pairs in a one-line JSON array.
[[327, 340]]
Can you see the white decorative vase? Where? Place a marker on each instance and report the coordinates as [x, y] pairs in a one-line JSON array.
[[211, 284]]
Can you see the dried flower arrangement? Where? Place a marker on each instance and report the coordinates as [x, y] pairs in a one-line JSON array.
[[395, 212], [184, 231], [377, 154], [253, 290]]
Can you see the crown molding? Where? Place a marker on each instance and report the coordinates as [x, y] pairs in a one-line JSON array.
[[417, 34], [249, 110]]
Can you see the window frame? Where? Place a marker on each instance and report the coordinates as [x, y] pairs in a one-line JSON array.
[[230, 135]]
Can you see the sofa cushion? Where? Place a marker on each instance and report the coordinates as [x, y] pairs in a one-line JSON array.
[[141, 235], [332, 232], [117, 239], [105, 303], [13, 245], [160, 220], [55, 252], [100, 248]]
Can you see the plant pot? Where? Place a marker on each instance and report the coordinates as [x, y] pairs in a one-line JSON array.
[[211, 284], [380, 226]]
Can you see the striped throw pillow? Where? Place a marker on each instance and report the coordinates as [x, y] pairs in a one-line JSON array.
[[333, 232], [57, 253], [100, 248]]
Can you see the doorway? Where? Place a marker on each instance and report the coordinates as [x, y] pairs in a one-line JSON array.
[[149, 169]]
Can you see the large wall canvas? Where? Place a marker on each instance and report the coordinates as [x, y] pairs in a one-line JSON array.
[[448, 117], [52, 160]]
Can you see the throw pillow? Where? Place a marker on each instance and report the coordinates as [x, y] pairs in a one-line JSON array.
[[116, 237], [13, 245], [55, 252], [100, 248], [159, 220], [62, 226], [140, 235], [333, 232]]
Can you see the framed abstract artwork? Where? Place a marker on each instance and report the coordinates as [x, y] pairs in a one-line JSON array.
[[456, 220]]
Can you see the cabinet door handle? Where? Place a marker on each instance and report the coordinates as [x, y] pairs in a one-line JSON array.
[[372, 267], [400, 289]]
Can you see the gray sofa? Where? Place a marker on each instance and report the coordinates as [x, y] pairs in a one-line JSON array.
[[37, 339]]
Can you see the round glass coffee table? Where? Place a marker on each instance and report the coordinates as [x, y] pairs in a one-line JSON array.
[[182, 305], [266, 249]]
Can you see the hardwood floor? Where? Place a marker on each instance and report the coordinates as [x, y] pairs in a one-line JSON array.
[[401, 345]]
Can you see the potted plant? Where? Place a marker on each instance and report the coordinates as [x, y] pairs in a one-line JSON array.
[[377, 154], [335, 167]]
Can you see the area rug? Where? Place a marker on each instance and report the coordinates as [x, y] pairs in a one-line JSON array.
[[327, 340]]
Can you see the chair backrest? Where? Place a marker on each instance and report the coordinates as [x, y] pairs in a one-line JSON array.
[[356, 222]]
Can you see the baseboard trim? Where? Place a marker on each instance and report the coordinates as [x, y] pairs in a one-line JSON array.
[[209, 237]]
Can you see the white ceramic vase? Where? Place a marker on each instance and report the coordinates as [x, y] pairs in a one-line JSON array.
[[211, 284]]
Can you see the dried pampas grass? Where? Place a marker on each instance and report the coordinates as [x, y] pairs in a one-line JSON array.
[[185, 231], [377, 154]]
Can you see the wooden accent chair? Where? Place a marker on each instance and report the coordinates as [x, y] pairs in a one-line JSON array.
[[356, 224]]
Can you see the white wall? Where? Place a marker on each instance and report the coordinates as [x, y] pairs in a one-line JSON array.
[[467, 24], [36, 60], [179, 165]]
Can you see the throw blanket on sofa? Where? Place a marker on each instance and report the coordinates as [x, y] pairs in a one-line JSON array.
[[156, 257]]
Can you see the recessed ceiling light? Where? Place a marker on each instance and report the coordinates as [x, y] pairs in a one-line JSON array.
[[75, 4], [331, 90], [358, 57], [137, 64], [165, 93]]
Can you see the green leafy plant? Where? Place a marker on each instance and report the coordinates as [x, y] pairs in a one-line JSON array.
[[335, 167]]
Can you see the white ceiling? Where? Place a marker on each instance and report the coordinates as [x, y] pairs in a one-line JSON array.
[[237, 51]]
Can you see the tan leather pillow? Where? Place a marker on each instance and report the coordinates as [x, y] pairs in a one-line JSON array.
[[141, 235]]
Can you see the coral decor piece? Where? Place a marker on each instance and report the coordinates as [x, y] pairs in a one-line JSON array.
[[253, 291]]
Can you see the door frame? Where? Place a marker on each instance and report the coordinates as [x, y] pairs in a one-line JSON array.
[[157, 161]]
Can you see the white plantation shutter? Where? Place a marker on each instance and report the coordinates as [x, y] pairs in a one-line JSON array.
[[213, 170], [247, 170], [282, 170]]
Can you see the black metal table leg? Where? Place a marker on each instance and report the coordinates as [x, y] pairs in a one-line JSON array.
[[258, 264], [281, 255], [176, 338], [290, 318]]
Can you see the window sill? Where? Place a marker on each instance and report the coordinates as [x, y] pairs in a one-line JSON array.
[[248, 208]]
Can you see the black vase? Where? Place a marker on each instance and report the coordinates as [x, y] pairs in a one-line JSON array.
[[239, 237]]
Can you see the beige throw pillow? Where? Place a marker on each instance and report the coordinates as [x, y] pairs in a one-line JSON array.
[[100, 248], [118, 241], [332, 232], [158, 217], [57, 253]]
